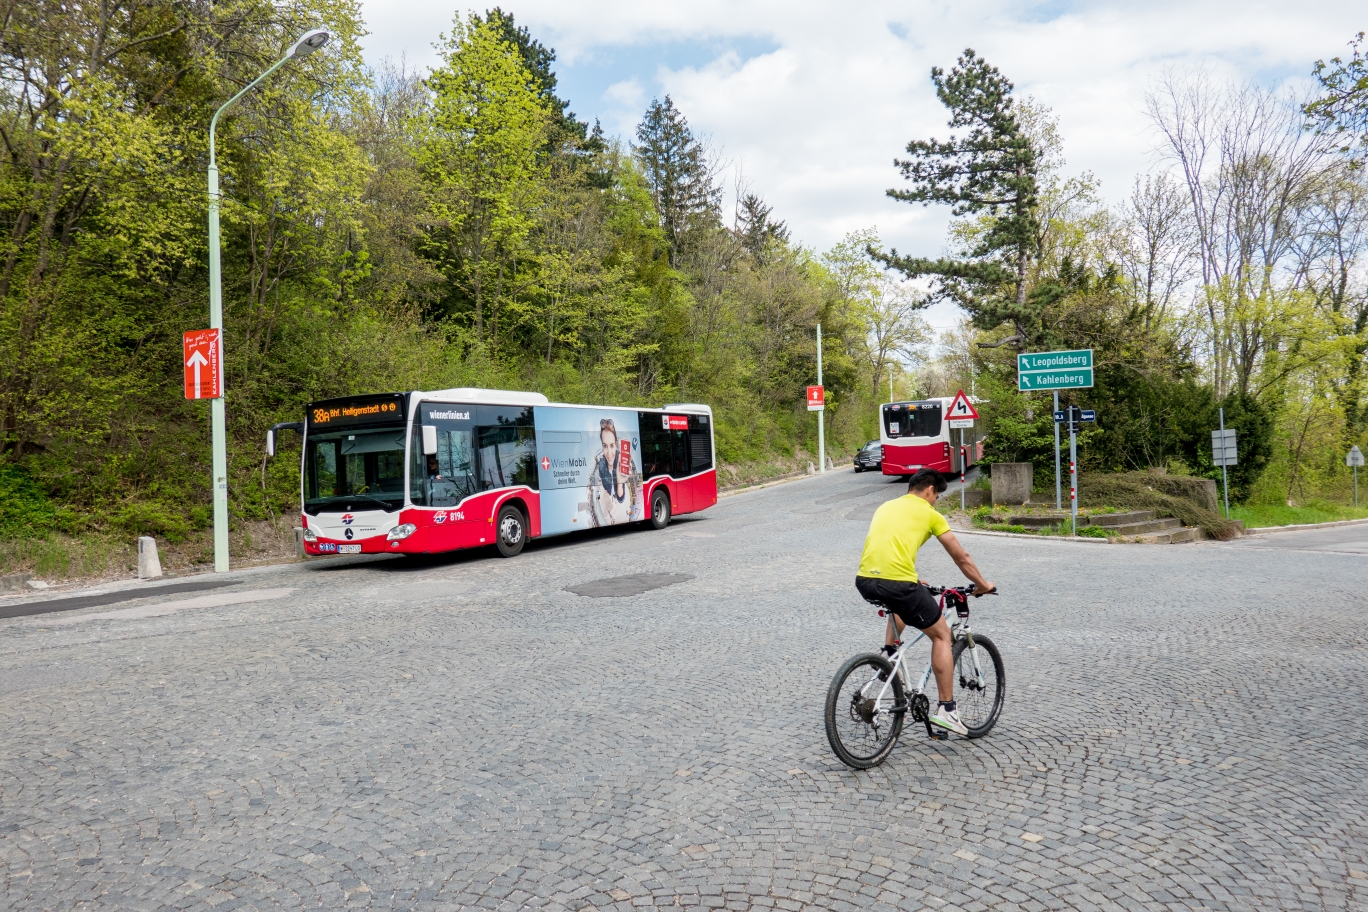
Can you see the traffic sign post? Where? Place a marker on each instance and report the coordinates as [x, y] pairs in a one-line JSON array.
[[962, 415], [203, 363], [1073, 416], [1223, 454], [1354, 460], [820, 407], [1055, 371]]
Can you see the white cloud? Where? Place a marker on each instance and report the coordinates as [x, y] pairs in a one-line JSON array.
[[818, 120]]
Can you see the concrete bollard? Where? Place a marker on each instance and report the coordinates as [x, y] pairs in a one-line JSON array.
[[1012, 482], [299, 543], [149, 565]]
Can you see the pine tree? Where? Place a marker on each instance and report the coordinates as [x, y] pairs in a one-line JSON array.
[[678, 173], [754, 226], [990, 172]]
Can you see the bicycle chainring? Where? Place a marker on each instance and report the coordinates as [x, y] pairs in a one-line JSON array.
[[921, 707]]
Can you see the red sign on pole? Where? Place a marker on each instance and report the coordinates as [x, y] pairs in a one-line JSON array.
[[816, 398], [203, 363]]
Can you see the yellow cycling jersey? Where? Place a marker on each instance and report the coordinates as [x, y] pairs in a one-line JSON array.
[[899, 528]]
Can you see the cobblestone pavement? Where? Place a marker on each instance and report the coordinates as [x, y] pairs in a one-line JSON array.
[[1185, 729]]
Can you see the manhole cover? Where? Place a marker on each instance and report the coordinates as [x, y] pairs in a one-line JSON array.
[[620, 586]]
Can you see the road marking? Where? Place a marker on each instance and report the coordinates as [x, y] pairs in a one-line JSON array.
[[162, 609]]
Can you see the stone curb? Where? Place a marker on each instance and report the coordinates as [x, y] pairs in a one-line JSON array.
[[1079, 540], [1267, 530]]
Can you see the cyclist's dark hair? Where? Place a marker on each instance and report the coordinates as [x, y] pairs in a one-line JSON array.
[[924, 477]]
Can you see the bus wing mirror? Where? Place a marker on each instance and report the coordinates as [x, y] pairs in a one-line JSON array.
[[295, 426], [429, 440]]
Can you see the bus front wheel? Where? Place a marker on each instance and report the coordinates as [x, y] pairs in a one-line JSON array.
[[512, 530], [660, 509]]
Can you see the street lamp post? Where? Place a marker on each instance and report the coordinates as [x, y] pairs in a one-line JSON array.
[[307, 44]]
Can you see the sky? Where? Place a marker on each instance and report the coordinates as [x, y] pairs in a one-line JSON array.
[[809, 102]]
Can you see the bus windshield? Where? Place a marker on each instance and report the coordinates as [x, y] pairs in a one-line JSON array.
[[354, 469], [912, 419]]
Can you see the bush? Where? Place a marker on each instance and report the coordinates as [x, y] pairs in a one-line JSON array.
[[1188, 499], [25, 511]]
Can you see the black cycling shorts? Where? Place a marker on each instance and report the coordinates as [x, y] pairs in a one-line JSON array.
[[912, 602]]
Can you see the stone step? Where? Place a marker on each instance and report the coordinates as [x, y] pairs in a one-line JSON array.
[[1038, 520], [1141, 528], [1121, 519], [1172, 537]]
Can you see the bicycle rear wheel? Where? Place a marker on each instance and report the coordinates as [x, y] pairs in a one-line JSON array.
[[862, 727], [980, 684]]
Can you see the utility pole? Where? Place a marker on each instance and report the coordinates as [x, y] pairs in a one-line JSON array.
[[306, 45], [821, 415]]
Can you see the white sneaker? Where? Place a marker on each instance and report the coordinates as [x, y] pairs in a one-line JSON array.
[[949, 718]]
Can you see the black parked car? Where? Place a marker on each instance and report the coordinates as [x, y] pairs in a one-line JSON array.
[[869, 457]]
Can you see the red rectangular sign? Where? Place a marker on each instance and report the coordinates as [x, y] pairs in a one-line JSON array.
[[624, 457], [676, 423], [816, 398], [203, 361]]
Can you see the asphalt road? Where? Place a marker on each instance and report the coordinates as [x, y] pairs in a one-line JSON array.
[[1185, 729], [1351, 539]]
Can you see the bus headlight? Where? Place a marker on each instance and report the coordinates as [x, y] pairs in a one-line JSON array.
[[310, 535], [401, 532]]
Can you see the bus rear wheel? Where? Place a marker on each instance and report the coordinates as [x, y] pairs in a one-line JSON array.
[[660, 509], [512, 530]]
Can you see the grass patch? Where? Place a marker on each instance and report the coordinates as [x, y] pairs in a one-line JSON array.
[[63, 557], [1258, 516], [1096, 532], [1007, 527]]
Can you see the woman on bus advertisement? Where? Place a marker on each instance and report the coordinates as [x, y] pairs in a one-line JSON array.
[[589, 464], [614, 488]]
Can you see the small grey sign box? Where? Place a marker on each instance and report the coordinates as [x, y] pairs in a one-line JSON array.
[[1355, 458], [1223, 448]]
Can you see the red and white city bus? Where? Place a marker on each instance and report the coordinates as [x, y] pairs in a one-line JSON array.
[[422, 472], [915, 436]]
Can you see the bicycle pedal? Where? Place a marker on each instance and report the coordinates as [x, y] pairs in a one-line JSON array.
[[939, 735]]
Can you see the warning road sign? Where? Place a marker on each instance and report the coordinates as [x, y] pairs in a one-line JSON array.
[[961, 413], [203, 363]]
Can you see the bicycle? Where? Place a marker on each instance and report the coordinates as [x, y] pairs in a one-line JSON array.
[[863, 725]]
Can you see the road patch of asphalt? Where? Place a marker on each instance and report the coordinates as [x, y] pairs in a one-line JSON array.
[[73, 603], [623, 586]]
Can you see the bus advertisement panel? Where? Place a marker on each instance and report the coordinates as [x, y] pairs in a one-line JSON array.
[[590, 468]]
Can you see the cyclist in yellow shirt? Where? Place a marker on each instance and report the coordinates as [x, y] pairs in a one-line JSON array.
[[888, 576]]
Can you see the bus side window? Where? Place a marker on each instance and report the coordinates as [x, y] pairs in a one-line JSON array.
[[679, 454], [655, 445], [700, 444], [507, 442]]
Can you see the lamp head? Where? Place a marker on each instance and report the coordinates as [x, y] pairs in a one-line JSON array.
[[309, 42]]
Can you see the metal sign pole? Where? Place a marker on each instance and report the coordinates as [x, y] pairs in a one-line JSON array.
[[963, 462], [1073, 471], [1225, 479], [1059, 500], [821, 415]]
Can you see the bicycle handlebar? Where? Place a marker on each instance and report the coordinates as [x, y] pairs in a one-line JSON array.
[[962, 590]]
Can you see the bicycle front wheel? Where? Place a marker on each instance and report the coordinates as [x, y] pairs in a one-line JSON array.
[[980, 684], [864, 711]]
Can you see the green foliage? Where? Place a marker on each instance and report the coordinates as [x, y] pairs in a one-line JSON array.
[[25, 510]]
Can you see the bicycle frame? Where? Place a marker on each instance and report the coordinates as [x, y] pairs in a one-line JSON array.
[[958, 626]]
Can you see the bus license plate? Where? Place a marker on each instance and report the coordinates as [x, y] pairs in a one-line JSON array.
[[348, 549]]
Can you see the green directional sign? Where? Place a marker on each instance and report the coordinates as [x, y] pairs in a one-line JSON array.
[[1055, 370]]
